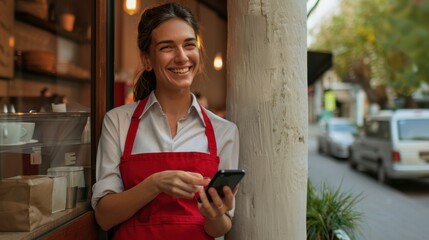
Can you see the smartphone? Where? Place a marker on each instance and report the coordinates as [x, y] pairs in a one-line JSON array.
[[230, 177]]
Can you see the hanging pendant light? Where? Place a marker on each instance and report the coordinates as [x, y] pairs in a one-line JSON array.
[[218, 62], [131, 7]]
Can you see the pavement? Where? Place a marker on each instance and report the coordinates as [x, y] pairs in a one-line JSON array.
[[388, 213]]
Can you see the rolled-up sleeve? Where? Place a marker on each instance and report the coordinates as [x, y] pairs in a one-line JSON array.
[[108, 176]]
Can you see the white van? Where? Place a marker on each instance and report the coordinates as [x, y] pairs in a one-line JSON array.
[[395, 145]]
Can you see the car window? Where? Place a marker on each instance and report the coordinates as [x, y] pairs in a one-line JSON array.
[[413, 129], [377, 129], [371, 128], [383, 130], [342, 127]]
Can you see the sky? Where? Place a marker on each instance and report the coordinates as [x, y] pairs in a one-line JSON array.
[[324, 9]]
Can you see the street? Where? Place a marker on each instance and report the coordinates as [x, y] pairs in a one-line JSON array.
[[398, 212]]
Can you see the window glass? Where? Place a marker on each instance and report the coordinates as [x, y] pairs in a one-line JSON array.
[[45, 105], [413, 129], [371, 129], [383, 130], [342, 127]]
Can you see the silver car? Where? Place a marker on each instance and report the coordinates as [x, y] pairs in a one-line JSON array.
[[336, 137], [395, 145]]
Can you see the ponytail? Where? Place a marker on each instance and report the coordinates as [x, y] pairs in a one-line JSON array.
[[145, 84]]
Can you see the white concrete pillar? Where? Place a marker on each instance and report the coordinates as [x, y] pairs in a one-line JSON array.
[[267, 98]]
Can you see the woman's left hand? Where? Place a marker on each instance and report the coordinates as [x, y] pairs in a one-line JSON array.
[[219, 206]]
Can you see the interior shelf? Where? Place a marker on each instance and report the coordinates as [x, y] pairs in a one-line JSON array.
[[51, 74], [51, 27]]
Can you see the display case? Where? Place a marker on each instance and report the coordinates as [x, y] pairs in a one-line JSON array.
[[50, 73]]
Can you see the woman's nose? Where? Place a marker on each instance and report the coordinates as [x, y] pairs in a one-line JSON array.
[[181, 55]]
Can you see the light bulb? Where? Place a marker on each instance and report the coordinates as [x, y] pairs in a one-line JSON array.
[[218, 62], [131, 7]]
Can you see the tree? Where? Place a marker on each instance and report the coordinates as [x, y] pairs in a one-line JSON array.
[[312, 8], [404, 36], [377, 43]]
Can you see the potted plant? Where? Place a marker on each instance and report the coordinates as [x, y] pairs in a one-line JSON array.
[[331, 214]]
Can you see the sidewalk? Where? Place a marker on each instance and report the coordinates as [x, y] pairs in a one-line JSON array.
[[389, 214]]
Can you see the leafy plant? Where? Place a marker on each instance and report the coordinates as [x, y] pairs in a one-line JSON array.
[[331, 213]]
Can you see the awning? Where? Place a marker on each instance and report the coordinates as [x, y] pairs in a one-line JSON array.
[[317, 64]]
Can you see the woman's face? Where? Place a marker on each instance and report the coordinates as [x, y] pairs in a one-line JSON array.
[[174, 55]]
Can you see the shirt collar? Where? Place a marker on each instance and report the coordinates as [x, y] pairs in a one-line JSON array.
[[152, 101], [195, 105]]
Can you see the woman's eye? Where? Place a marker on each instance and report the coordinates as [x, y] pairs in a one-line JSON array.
[[190, 45], [166, 48]]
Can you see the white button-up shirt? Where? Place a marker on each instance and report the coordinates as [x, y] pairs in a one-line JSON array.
[[154, 135]]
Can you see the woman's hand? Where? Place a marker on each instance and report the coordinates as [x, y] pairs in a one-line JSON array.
[[180, 184], [219, 206], [217, 222]]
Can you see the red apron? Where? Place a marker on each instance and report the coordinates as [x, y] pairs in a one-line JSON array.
[[165, 217]]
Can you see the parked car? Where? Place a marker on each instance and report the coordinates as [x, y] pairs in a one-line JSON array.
[[394, 145], [336, 137]]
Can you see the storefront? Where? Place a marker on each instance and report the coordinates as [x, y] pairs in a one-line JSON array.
[[49, 76]]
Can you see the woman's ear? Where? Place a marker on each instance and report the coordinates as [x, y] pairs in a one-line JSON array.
[[147, 66]]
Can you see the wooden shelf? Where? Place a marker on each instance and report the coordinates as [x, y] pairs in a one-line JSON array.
[[50, 74], [51, 27]]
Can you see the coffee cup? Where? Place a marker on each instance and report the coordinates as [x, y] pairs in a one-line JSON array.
[[60, 107], [10, 133], [28, 133]]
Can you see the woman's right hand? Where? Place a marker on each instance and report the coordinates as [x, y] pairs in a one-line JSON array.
[[180, 184]]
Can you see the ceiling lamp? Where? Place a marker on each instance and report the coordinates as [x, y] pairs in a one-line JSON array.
[[218, 62], [131, 7]]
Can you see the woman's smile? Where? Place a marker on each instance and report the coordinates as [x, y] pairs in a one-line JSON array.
[[182, 70]]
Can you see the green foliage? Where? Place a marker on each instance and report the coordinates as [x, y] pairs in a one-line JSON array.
[[329, 210], [389, 35]]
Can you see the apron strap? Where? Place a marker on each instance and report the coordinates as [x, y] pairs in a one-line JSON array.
[[211, 139], [135, 120], [134, 125]]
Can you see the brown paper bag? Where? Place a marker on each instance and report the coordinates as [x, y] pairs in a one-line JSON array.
[[25, 202]]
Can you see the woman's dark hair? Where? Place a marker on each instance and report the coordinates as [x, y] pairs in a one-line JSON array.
[[151, 19]]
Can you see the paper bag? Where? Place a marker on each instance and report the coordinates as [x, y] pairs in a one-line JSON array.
[[25, 202]]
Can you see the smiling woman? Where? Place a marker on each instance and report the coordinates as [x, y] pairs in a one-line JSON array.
[[173, 56], [156, 155]]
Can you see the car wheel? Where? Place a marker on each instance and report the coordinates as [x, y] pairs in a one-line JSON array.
[[352, 163], [328, 149], [381, 175]]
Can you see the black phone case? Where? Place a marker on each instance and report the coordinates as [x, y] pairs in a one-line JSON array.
[[223, 178]]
